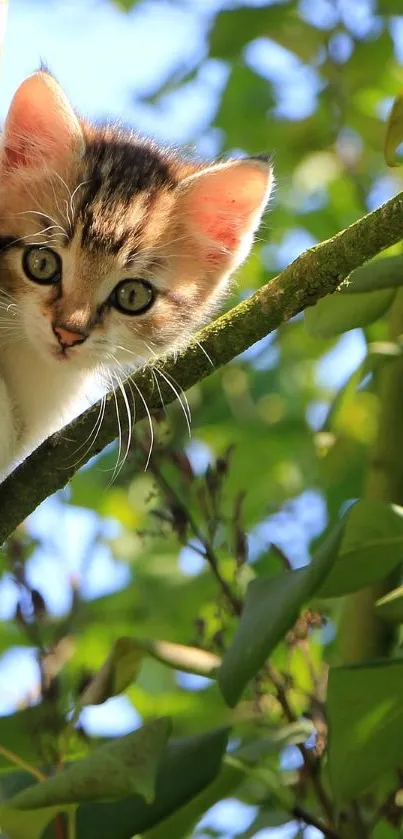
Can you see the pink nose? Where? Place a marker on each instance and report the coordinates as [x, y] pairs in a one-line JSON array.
[[68, 337]]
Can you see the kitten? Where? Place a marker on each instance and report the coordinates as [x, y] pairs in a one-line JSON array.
[[112, 250]]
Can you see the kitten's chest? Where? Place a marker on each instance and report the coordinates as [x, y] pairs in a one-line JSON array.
[[44, 399]]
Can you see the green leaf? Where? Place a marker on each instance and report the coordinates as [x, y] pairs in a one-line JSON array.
[[123, 664], [394, 133], [234, 29], [385, 272], [271, 608], [188, 766], [389, 7], [182, 821], [126, 5], [340, 312], [371, 547], [365, 713], [390, 607], [187, 659], [116, 674], [25, 824], [250, 97], [267, 818], [22, 734], [123, 767], [362, 298], [384, 830], [379, 353]]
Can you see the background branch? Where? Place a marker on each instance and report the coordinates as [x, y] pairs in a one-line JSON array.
[[362, 634], [314, 274]]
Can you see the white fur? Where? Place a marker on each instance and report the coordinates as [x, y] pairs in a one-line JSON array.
[[36, 399]]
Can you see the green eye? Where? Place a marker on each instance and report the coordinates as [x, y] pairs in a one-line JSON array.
[[42, 265], [133, 297]]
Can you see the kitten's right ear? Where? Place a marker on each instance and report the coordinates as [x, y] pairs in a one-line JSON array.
[[41, 127]]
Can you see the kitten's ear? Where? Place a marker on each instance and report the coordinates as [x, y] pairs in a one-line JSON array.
[[41, 127], [223, 206]]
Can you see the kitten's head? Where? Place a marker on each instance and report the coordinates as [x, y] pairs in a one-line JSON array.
[[113, 249]]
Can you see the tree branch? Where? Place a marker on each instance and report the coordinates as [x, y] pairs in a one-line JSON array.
[[314, 274]]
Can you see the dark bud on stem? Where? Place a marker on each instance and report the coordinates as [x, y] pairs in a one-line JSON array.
[[38, 605]]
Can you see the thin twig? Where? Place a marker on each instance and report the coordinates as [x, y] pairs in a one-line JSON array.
[[59, 827], [19, 761], [300, 813], [311, 763], [209, 554]]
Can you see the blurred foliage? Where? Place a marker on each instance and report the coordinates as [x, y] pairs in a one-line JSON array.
[[281, 444]]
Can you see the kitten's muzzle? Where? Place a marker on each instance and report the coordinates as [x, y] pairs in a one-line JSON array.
[[69, 338]]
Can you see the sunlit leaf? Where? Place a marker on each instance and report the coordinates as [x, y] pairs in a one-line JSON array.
[[123, 767], [386, 272], [118, 671], [394, 133], [371, 547], [122, 666], [340, 311], [365, 714], [187, 659]]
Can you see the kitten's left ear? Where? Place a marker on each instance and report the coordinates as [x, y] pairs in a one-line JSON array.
[[222, 207], [41, 127]]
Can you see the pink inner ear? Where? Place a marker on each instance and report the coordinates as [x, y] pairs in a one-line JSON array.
[[41, 127], [226, 204]]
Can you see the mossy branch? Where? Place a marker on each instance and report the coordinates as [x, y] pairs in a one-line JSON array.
[[314, 274]]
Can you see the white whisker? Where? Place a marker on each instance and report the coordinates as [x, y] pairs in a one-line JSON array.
[[73, 194], [119, 427], [150, 424], [65, 201], [4, 293], [129, 419], [205, 352], [44, 215], [28, 236], [186, 410], [92, 436], [159, 389], [185, 407]]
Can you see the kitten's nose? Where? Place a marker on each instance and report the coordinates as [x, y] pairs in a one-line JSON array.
[[69, 337]]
